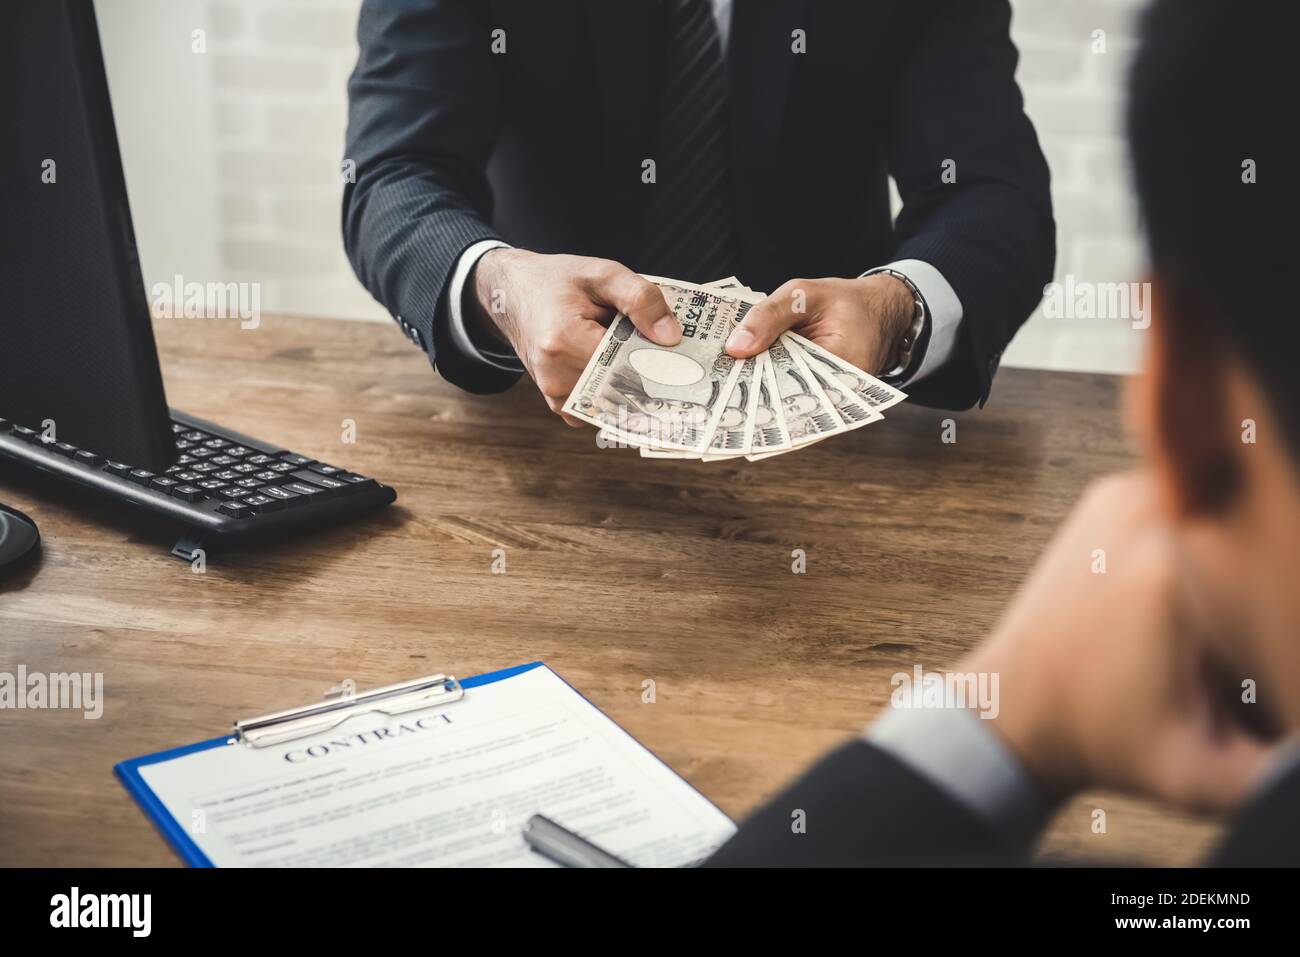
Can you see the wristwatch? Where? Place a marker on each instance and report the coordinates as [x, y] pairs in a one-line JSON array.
[[907, 348]]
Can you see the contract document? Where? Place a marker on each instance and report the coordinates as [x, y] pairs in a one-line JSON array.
[[445, 786]]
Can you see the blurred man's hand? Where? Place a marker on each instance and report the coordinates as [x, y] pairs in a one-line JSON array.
[[550, 309], [1103, 680], [860, 320]]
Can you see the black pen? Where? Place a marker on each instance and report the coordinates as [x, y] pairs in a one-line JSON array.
[[564, 847]]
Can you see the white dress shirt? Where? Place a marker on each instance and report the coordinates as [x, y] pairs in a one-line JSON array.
[[942, 307], [961, 754], [956, 751]]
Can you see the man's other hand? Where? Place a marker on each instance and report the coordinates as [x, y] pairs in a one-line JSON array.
[[550, 309], [860, 320], [1105, 679]]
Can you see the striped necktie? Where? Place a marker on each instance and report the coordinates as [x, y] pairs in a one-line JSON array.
[[689, 230]]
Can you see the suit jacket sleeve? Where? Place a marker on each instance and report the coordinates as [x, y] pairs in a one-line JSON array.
[[423, 117], [1266, 831], [990, 232], [861, 806]]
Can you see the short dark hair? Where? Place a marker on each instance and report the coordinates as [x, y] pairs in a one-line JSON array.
[[1212, 104]]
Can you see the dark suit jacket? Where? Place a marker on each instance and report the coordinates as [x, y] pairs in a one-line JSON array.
[[864, 807], [542, 145]]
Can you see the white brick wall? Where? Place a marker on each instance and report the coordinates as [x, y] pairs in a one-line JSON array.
[[1075, 98], [277, 70]]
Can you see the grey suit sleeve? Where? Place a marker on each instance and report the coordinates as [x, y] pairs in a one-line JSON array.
[[423, 117]]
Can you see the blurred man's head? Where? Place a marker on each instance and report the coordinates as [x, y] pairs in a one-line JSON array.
[[1212, 130]]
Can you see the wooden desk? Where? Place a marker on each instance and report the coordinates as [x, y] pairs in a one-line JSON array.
[[618, 570]]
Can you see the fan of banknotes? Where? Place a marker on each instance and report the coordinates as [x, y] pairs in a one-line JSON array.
[[693, 401]]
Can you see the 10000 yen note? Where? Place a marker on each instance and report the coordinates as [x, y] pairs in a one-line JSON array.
[[735, 429], [770, 434], [767, 434], [644, 394], [731, 437], [735, 433], [723, 287], [854, 412], [809, 412], [868, 390], [789, 397]]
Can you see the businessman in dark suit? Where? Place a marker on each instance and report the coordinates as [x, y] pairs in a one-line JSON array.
[[1175, 672], [518, 162]]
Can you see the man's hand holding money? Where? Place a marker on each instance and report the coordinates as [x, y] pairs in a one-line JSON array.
[[862, 321], [552, 310]]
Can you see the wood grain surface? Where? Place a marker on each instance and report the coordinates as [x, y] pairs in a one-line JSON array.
[[618, 571]]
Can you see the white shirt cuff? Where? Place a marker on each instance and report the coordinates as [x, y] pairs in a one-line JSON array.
[[455, 308], [943, 307], [955, 750]]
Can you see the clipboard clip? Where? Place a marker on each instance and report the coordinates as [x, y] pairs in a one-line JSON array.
[[414, 695]]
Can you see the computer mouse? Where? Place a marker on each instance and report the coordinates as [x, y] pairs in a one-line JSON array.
[[19, 539]]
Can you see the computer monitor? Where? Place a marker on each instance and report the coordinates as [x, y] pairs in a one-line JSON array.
[[76, 343]]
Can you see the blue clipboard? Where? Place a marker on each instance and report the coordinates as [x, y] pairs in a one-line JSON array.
[[128, 771]]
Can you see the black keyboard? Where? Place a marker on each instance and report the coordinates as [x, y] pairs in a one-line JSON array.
[[223, 486]]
